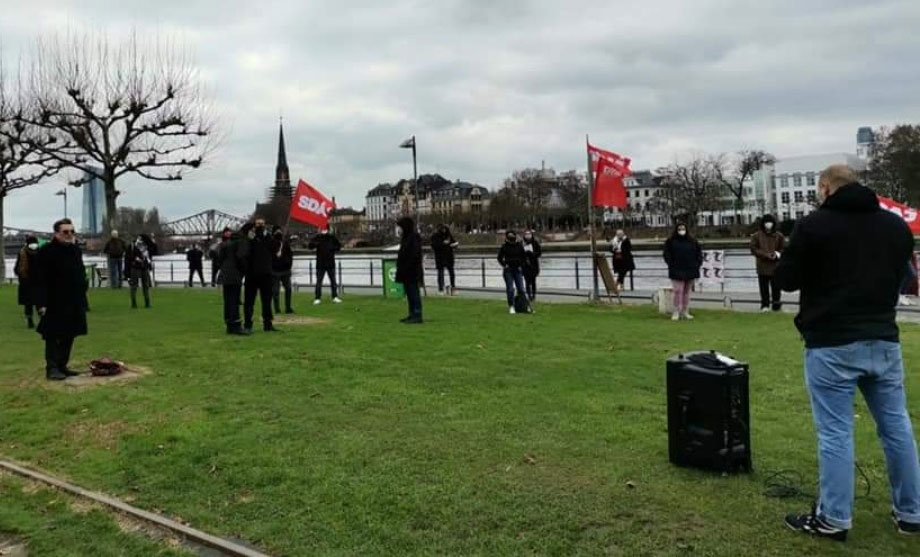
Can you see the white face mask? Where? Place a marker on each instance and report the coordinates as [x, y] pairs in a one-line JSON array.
[[33, 246], [682, 232], [768, 225]]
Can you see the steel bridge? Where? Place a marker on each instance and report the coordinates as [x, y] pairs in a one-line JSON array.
[[204, 224]]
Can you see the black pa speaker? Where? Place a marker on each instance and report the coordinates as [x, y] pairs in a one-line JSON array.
[[708, 412]]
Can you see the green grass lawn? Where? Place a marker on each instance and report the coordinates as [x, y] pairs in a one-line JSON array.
[[478, 433]]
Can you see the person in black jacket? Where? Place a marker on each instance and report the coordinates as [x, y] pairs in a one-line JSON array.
[[684, 256], [282, 263], [230, 261], [409, 268], [532, 254], [139, 265], [623, 261], [326, 245], [512, 257], [60, 294], [195, 257], [443, 245], [25, 268], [848, 259], [258, 276]]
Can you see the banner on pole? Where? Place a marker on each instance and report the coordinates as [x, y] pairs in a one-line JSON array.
[[311, 206], [909, 214]]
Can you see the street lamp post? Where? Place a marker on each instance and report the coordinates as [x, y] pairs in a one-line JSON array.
[[410, 144], [63, 192]]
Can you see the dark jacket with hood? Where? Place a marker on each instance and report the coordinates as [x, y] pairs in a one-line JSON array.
[[409, 259], [511, 255], [195, 258], [232, 258], [442, 243], [848, 258], [260, 254], [684, 256], [765, 245], [135, 257], [326, 246], [283, 263], [623, 261], [532, 257], [25, 269], [60, 288], [114, 248]]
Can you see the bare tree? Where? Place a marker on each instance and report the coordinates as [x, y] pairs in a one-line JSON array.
[[732, 171], [118, 108], [691, 188], [22, 164]]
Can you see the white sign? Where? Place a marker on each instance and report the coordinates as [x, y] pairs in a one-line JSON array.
[[712, 270]]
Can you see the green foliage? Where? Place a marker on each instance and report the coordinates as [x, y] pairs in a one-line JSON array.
[[894, 170]]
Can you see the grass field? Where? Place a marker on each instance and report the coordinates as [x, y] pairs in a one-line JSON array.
[[478, 433]]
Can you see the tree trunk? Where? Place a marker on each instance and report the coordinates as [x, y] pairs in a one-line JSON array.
[[111, 194], [2, 242]]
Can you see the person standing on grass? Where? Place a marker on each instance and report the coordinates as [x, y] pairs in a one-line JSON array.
[[230, 261], [139, 265], [511, 256], [282, 263], [623, 261], [114, 250], [409, 268], [532, 254], [684, 256], [60, 295], [767, 246], [195, 258], [326, 245], [212, 256], [848, 259], [443, 244], [258, 276], [25, 268]]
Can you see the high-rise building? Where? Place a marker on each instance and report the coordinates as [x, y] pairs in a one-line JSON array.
[[865, 141], [93, 204]]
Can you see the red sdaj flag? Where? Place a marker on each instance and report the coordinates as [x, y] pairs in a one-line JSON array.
[[610, 170], [909, 214], [311, 206]]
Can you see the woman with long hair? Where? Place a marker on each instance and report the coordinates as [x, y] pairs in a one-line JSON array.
[[684, 256]]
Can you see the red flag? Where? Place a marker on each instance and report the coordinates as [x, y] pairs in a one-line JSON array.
[[618, 161], [907, 213], [311, 206], [609, 189]]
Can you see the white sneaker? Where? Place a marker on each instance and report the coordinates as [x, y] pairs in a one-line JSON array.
[[904, 301], [687, 316], [336, 300], [317, 302], [764, 310], [511, 310], [676, 316]]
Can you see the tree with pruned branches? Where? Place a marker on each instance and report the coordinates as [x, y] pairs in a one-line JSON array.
[[22, 164], [732, 171], [111, 109], [690, 188]]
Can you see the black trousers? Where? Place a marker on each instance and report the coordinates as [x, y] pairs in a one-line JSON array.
[[414, 298], [29, 310], [260, 285], [768, 286], [57, 353], [451, 274], [139, 277], [530, 284], [191, 275], [280, 280], [232, 305], [329, 270], [621, 276], [214, 270]]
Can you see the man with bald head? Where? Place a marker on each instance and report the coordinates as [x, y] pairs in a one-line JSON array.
[[848, 259]]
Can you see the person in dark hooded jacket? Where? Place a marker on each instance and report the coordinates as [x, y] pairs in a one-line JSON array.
[[230, 259], [684, 256], [409, 268], [258, 277], [25, 268], [282, 265], [848, 259], [326, 245], [512, 258], [767, 247], [532, 254], [443, 245], [139, 266]]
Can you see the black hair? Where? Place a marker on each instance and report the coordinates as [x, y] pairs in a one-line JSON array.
[[406, 223], [60, 223], [674, 234]]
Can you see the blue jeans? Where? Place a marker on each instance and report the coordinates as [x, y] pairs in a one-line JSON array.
[[115, 277], [414, 297], [832, 376], [514, 277]]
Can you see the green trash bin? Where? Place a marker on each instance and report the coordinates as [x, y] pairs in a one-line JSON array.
[[391, 288], [90, 274]]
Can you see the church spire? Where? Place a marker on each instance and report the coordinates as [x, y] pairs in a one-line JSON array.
[[282, 187]]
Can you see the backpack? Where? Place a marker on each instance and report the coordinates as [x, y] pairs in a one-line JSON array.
[[521, 305]]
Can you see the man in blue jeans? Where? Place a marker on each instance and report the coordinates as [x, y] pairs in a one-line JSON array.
[[848, 259], [512, 257]]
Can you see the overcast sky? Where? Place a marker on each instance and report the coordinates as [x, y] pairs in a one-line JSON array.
[[489, 86]]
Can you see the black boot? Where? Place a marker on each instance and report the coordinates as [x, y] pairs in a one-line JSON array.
[[29, 322], [269, 328], [54, 374]]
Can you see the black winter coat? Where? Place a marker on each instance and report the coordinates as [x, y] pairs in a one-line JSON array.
[[848, 258], [511, 255], [326, 245], [231, 260], [442, 245], [195, 258], [260, 255], [409, 259], [285, 262], [684, 257], [532, 258], [134, 258], [60, 288], [623, 261], [26, 266]]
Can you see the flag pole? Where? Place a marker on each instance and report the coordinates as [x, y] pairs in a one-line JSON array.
[[595, 293], [415, 178]]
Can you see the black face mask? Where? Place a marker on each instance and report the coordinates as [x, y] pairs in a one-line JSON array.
[[511, 239]]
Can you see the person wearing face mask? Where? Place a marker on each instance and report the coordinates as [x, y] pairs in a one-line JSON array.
[[232, 256], [114, 250], [532, 254], [326, 245], [138, 266], [767, 246], [258, 277], [443, 244], [195, 257], [623, 262], [282, 263], [512, 257], [684, 256], [60, 288], [24, 270], [409, 268]]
